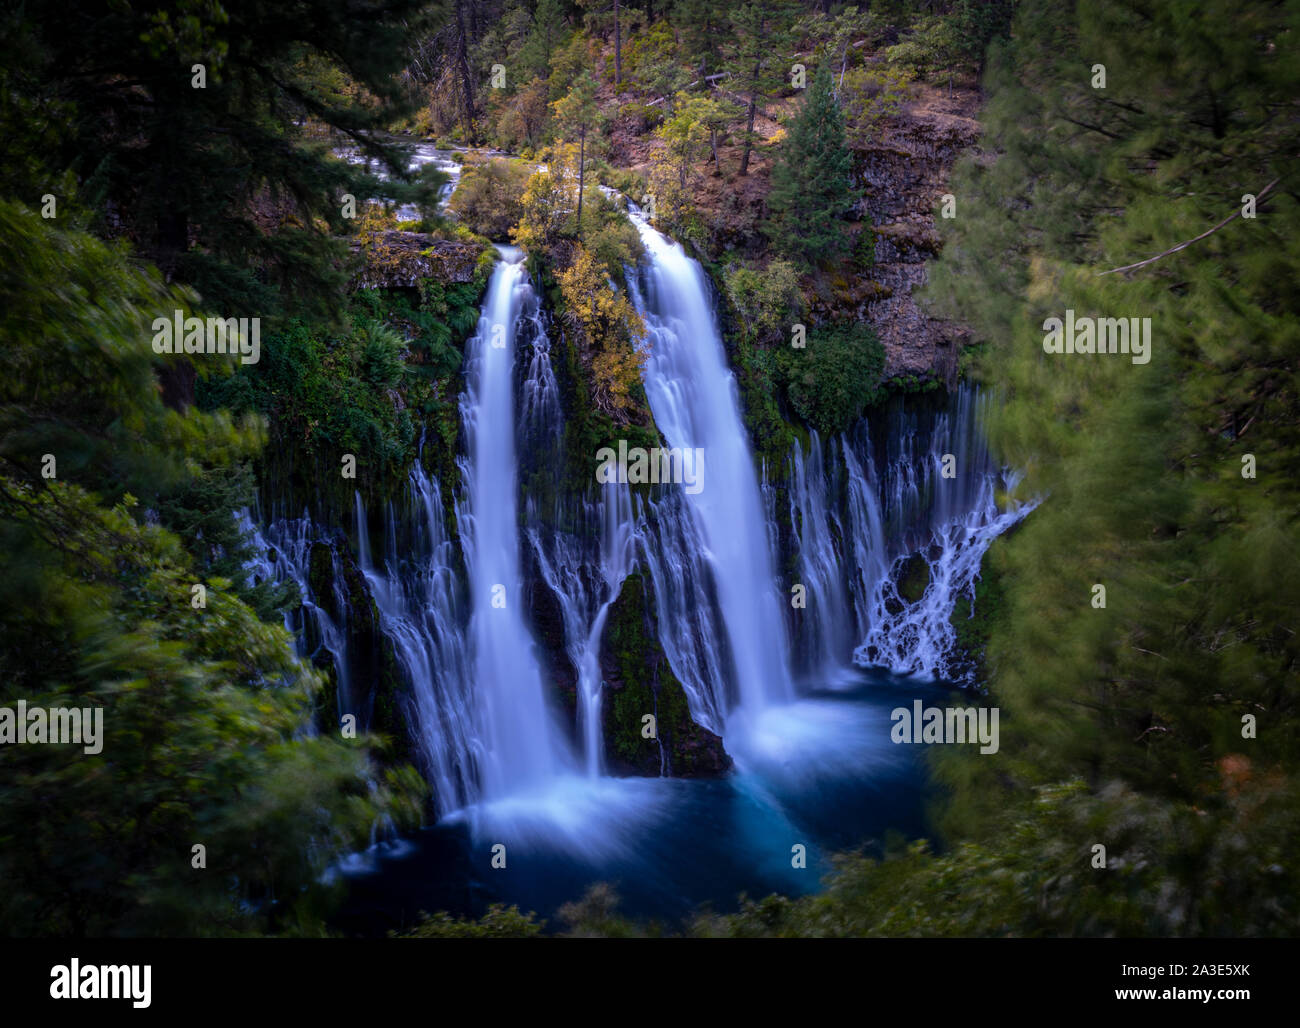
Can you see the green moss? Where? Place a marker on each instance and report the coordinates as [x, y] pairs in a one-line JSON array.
[[910, 383], [913, 578], [640, 682], [975, 623], [320, 574]]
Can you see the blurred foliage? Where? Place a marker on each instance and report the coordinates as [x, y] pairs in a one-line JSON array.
[[203, 705]]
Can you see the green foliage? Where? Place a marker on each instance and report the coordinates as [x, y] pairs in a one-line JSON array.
[[870, 96], [488, 197], [933, 45], [500, 922], [549, 33], [326, 395], [205, 171], [1141, 465], [767, 301], [753, 54], [202, 706], [1033, 876], [834, 377], [812, 182]]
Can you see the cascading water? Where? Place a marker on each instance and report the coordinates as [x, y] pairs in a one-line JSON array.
[[951, 522], [521, 745], [418, 598], [583, 546], [852, 526], [282, 552], [693, 397]]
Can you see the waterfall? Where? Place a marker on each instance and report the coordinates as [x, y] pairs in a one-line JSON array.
[[417, 595], [475, 694], [858, 509], [951, 521], [695, 403], [282, 553], [584, 567], [521, 744]]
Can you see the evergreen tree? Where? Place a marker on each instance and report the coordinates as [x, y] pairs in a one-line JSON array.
[[577, 115], [201, 706], [187, 121], [1160, 192], [756, 53], [812, 182]]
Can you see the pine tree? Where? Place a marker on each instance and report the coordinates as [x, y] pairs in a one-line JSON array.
[[577, 115], [1171, 482], [756, 58], [812, 182]]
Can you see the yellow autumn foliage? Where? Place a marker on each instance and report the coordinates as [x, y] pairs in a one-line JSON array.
[[611, 333]]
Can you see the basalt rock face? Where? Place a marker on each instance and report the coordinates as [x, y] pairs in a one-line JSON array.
[[547, 619], [639, 681], [904, 174], [399, 260], [378, 682]]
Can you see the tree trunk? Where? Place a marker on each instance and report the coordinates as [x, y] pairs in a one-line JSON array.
[[177, 378], [582, 171], [618, 50], [462, 63], [749, 130]]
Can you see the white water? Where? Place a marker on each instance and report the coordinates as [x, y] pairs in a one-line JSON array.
[[854, 524], [694, 400], [521, 745], [421, 154], [478, 702]]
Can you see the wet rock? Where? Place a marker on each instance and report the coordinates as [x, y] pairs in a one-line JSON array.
[[639, 681]]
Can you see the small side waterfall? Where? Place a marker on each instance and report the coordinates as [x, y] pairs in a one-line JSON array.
[[951, 522], [421, 614], [282, 553], [857, 508], [584, 565]]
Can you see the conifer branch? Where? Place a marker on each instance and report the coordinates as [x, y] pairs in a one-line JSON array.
[[1189, 242]]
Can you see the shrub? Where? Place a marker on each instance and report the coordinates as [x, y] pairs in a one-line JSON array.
[[488, 198], [834, 377]]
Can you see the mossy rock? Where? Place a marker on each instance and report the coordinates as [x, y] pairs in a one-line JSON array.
[[379, 685], [399, 260], [320, 576], [912, 578], [639, 681]]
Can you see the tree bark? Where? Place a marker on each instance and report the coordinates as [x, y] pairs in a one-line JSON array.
[[582, 171], [618, 50], [749, 127], [462, 63]]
